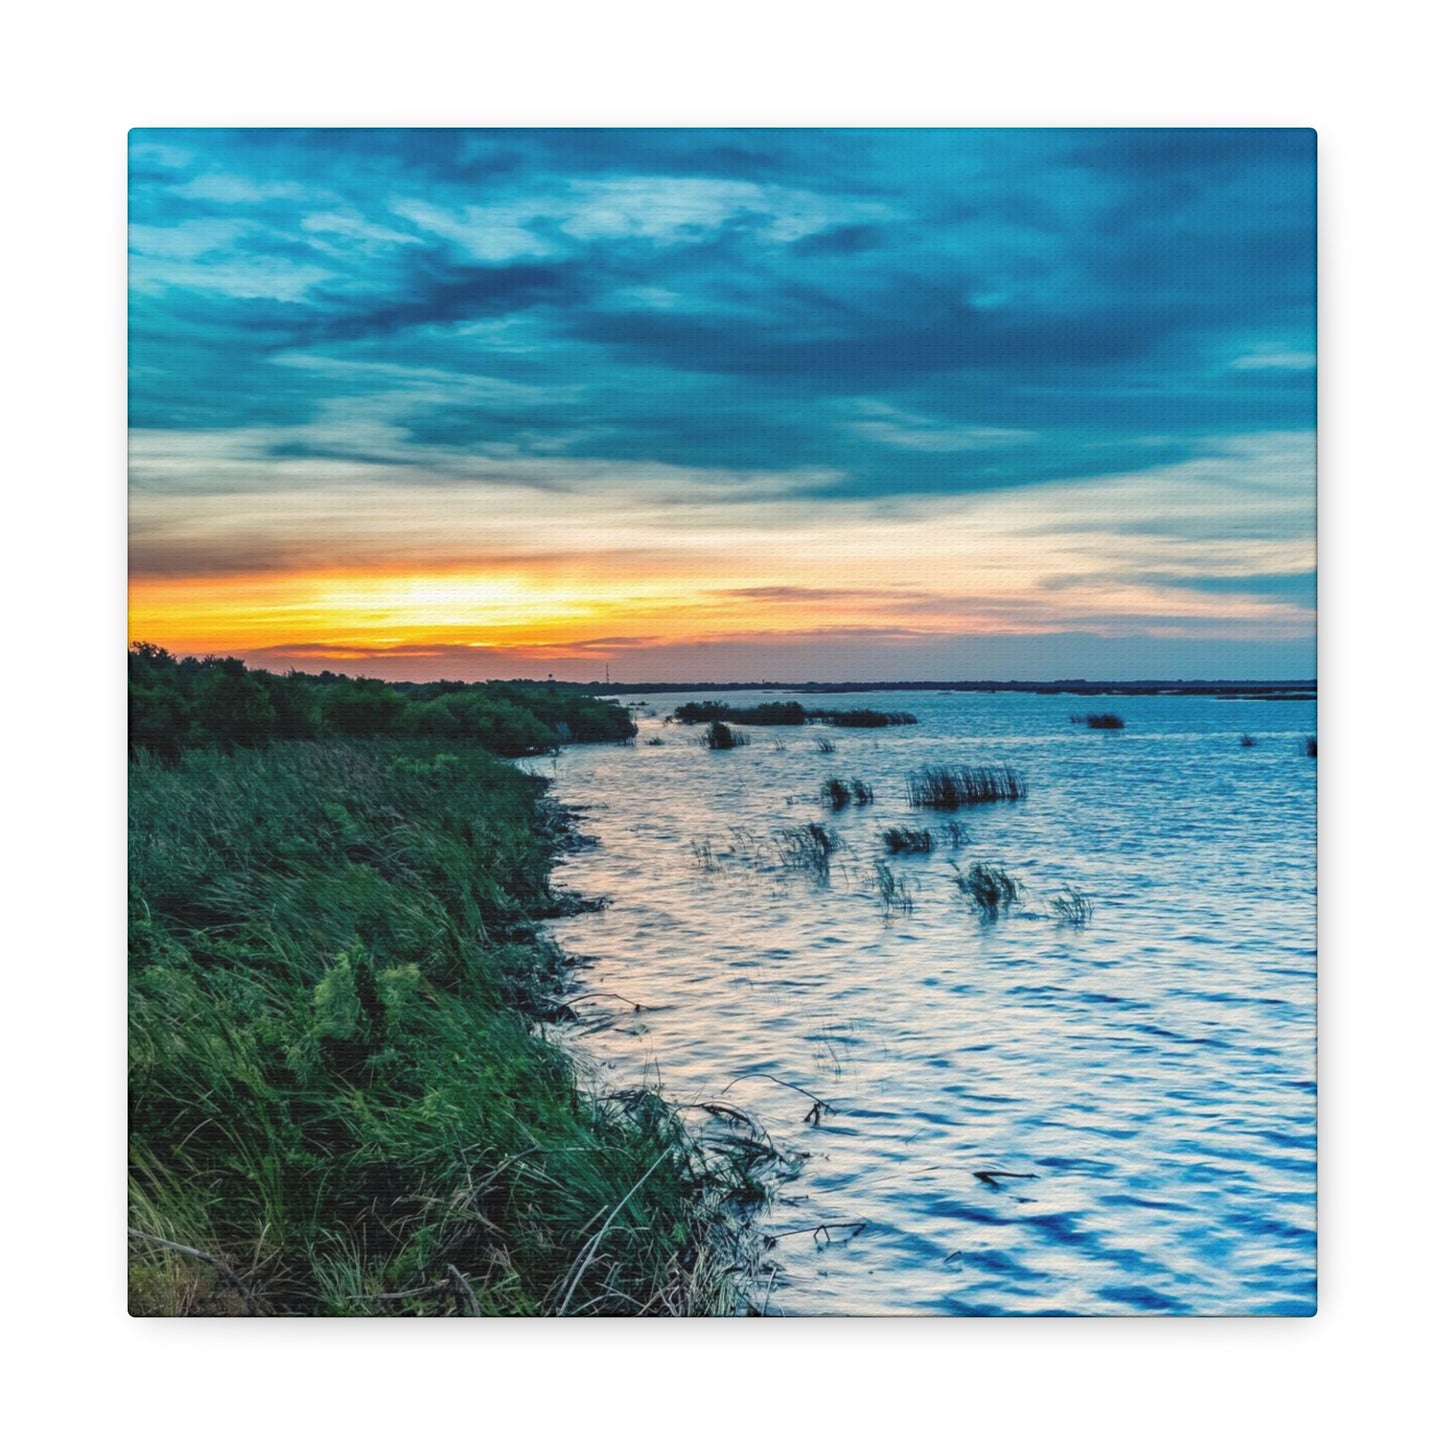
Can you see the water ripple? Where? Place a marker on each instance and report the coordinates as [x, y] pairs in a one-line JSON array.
[[1153, 1072]]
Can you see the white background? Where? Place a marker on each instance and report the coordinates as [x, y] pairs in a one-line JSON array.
[[76, 80]]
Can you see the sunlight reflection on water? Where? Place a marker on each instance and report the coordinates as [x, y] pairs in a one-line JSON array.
[[1154, 1070]]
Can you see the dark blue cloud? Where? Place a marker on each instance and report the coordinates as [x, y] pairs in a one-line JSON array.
[[735, 299]]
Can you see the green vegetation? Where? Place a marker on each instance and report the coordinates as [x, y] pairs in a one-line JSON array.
[[180, 703], [341, 1100], [1103, 721], [788, 714], [719, 737], [988, 888], [766, 714], [948, 788], [863, 717]]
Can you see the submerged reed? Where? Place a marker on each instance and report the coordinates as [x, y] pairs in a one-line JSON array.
[[894, 895], [838, 793], [808, 848], [1072, 907], [947, 788], [988, 888]]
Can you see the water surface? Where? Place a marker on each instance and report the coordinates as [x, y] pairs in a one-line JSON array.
[[1153, 1072]]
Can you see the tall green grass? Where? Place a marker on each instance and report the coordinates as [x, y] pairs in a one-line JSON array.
[[340, 1101]]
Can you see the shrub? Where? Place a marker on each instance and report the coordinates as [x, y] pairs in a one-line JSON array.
[[764, 714], [719, 737]]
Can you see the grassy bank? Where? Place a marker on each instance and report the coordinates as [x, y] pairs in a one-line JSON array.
[[340, 1100]]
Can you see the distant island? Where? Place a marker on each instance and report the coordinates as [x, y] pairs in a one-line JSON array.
[[1288, 690]]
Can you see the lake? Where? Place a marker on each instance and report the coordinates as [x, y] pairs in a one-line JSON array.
[[1025, 1115]]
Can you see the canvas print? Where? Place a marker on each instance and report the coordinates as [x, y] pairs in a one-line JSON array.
[[722, 722]]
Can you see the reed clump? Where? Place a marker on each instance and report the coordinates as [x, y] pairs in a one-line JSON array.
[[838, 793], [808, 848], [894, 894], [1309, 748], [863, 717], [1103, 721], [720, 738], [1072, 907], [908, 840], [948, 788], [1247, 741], [826, 745], [988, 888]]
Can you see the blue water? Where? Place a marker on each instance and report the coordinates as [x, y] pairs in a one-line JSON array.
[[1152, 1071]]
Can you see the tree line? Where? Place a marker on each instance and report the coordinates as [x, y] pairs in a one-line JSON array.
[[176, 703]]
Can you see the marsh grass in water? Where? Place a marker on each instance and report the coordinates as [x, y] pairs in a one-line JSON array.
[[826, 745], [908, 840], [864, 717], [1101, 721], [340, 1101], [949, 788], [894, 895], [769, 714], [808, 848], [838, 793], [1072, 907], [1309, 748], [988, 888], [719, 738]]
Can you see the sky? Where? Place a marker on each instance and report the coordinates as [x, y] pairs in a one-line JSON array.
[[698, 405]]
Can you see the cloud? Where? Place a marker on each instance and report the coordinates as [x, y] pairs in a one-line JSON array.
[[1072, 354], [1265, 360]]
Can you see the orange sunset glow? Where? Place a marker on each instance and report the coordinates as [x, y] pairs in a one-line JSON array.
[[669, 423]]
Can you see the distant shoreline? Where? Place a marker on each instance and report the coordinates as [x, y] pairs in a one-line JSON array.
[[1293, 690]]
